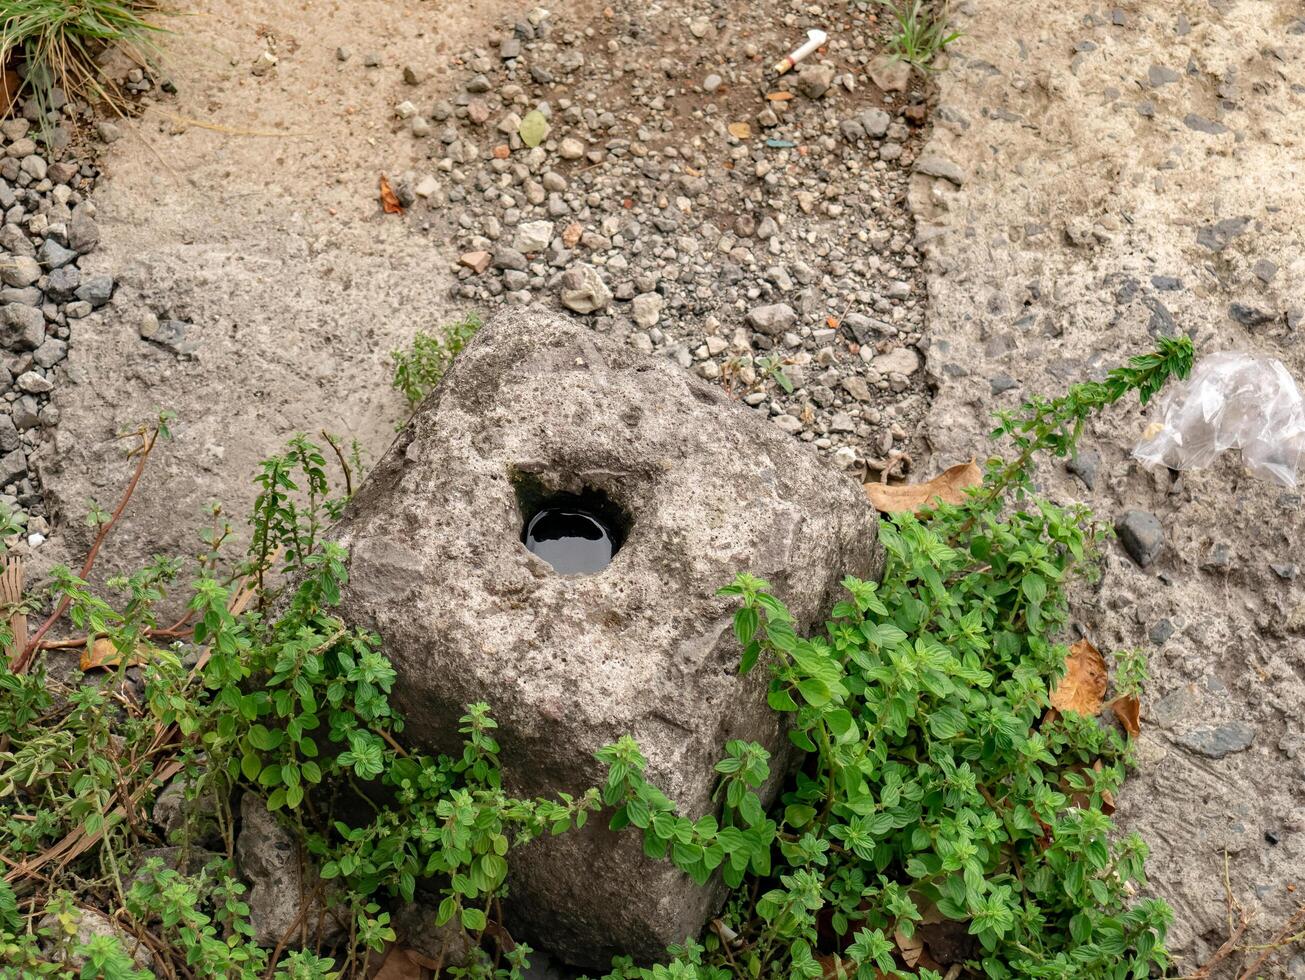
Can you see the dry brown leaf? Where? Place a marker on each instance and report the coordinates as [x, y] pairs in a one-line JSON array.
[[909, 946], [11, 598], [399, 965], [1128, 711], [779, 96], [102, 654], [1083, 687], [389, 200], [10, 83], [948, 487], [740, 130]]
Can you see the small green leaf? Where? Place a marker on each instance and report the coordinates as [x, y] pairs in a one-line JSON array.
[[534, 128]]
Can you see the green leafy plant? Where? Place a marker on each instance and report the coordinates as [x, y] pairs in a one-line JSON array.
[[59, 41], [419, 369], [920, 31], [933, 786], [926, 781], [772, 366]]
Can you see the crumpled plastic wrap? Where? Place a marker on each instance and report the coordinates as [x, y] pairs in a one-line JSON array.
[[1231, 400]]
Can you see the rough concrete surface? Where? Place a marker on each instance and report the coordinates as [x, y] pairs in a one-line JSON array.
[[539, 404], [248, 209], [1127, 172]]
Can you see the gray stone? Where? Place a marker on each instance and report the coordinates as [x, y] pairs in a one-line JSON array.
[[1220, 740], [19, 271], [26, 413], [8, 434], [1161, 631], [900, 360], [449, 944], [188, 816], [52, 255], [814, 79], [89, 924], [1159, 75], [534, 236], [1202, 125], [279, 880], [1000, 383], [21, 327], [875, 122], [169, 334], [1220, 559], [856, 386], [62, 283], [83, 232], [583, 289], [29, 296], [1265, 270], [14, 241], [702, 488], [1084, 465], [933, 165], [13, 466], [1141, 534], [772, 320], [509, 258], [1250, 316], [646, 308], [890, 74], [1216, 237], [96, 290], [34, 383]]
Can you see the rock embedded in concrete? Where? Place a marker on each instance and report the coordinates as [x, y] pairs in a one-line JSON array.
[[539, 404], [1141, 534], [1220, 740]]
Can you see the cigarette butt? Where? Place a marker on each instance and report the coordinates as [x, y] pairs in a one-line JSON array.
[[815, 38]]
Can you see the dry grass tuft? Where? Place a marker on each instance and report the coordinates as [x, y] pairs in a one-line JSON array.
[[57, 42]]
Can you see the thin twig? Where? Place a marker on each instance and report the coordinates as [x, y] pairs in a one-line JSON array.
[[1283, 938], [143, 452], [339, 454]]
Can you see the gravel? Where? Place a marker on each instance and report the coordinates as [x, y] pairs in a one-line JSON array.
[[752, 229], [48, 225]]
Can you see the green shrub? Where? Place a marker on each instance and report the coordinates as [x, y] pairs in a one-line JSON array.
[[933, 783], [920, 32], [419, 369]]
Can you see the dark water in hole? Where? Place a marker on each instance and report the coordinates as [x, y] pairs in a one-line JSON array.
[[573, 541]]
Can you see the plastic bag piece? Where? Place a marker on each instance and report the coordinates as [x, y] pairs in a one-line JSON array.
[[1232, 400]]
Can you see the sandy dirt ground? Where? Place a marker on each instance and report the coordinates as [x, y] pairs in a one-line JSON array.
[[272, 246], [1102, 148]]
